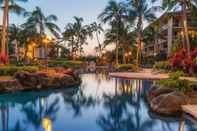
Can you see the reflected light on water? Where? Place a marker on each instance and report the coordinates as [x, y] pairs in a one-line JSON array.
[[182, 124], [47, 124]]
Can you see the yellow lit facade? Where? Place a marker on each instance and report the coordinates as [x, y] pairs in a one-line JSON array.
[[35, 50]]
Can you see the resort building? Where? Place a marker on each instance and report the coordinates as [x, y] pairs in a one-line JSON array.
[[165, 33]]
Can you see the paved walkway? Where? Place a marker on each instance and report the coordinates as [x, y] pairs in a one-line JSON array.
[[145, 74], [191, 110]]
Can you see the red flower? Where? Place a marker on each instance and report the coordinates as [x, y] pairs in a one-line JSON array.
[[4, 58], [182, 61]]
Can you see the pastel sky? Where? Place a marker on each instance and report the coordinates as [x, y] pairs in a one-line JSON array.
[[65, 10]]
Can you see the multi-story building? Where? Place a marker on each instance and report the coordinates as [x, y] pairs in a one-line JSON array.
[[167, 30]]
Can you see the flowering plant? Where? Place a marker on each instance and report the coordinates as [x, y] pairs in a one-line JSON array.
[[182, 61], [3, 58]]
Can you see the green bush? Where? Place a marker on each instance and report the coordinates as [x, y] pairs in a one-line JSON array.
[[11, 70], [63, 63], [126, 67], [175, 82], [162, 65]]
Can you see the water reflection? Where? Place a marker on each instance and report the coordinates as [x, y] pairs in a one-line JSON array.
[[99, 104], [47, 124]]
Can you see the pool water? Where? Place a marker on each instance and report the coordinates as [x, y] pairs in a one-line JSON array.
[[99, 104]]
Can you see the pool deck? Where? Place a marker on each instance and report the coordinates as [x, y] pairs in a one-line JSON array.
[[191, 110], [145, 74]]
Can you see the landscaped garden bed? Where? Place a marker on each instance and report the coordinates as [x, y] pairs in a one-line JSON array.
[[24, 80], [63, 63], [126, 67], [166, 97], [180, 61]]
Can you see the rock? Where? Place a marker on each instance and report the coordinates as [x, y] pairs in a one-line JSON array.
[[7, 86], [192, 97], [168, 103], [29, 80], [67, 80], [156, 91], [43, 80], [67, 71]]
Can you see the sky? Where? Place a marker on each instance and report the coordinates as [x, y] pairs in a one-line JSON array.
[[65, 10]]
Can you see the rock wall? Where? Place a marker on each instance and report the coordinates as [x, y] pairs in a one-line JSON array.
[[50, 79]]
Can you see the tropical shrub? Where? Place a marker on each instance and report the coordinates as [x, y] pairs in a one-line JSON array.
[[11, 70], [162, 65], [126, 67], [175, 82], [63, 63], [181, 61], [149, 61]]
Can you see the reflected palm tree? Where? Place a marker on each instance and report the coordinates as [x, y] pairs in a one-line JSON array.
[[4, 108], [43, 107], [120, 117], [18, 127], [5, 115], [78, 101]]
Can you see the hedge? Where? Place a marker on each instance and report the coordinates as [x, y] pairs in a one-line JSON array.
[[126, 67], [62, 63], [162, 65], [11, 70]]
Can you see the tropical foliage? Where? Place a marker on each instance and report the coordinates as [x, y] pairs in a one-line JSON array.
[[115, 14], [76, 35], [177, 83], [41, 23], [181, 61], [8, 6]]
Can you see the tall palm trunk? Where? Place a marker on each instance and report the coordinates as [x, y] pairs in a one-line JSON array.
[[139, 41], [99, 44], [117, 53], [4, 40], [185, 26], [138, 59], [124, 57]]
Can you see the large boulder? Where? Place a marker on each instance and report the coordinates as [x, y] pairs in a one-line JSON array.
[[192, 97], [168, 103], [30, 80], [10, 86], [156, 91]]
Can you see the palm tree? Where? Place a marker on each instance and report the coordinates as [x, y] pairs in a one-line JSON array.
[[15, 38], [185, 5], [69, 37], [114, 14], [8, 5], [76, 34], [97, 29], [42, 24], [140, 12]]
